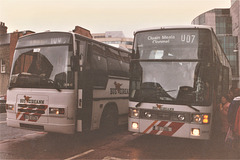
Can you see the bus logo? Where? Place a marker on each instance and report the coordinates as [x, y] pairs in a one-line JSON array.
[[159, 106], [117, 86], [27, 98], [118, 89]]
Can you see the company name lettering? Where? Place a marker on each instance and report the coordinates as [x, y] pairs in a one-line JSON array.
[[33, 101], [163, 108], [119, 91]]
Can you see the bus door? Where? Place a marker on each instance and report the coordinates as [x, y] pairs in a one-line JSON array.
[[85, 89]]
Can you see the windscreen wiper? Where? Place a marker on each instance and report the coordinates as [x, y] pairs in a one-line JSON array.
[[55, 85], [190, 106], [140, 102]]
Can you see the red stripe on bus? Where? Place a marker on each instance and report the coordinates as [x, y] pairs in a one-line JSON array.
[[23, 116], [150, 126], [175, 127], [161, 124], [154, 132], [18, 114]]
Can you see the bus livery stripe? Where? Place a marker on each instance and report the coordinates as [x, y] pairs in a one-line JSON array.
[[175, 127], [150, 126], [161, 124], [18, 114]]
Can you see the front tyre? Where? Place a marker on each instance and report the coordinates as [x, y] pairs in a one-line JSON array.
[[109, 120]]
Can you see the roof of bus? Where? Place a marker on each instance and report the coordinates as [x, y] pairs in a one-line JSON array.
[[37, 33], [175, 27], [71, 33]]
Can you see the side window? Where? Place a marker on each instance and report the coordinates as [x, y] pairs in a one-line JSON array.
[[98, 49], [114, 67], [82, 52], [220, 81], [125, 63], [110, 52], [125, 56], [99, 68], [82, 47], [125, 69], [225, 80]]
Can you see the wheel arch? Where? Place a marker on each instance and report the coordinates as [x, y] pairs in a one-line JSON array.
[[110, 107]]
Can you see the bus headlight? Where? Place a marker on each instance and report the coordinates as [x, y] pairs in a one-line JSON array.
[[197, 118], [200, 118], [195, 132], [133, 113], [57, 111], [134, 125], [181, 117], [148, 114], [10, 107]]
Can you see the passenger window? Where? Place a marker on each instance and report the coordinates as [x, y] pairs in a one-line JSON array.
[[97, 49], [225, 80], [99, 68], [125, 69], [125, 56], [114, 67]]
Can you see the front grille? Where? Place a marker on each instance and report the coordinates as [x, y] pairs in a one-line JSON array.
[[165, 115], [32, 108]]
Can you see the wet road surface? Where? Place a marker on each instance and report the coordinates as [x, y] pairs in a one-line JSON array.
[[98, 145]]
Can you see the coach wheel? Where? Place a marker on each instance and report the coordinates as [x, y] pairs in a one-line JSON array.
[[109, 120]]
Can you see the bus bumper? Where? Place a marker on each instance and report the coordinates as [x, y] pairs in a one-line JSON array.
[[168, 128], [48, 127]]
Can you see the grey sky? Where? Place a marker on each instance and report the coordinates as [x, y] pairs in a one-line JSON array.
[[101, 15]]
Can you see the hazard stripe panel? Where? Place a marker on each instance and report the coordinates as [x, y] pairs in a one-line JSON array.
[[150, 126], [163, 128], [29, 114]]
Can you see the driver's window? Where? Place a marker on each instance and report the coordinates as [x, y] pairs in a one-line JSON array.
[[22, 64], [202, 85]]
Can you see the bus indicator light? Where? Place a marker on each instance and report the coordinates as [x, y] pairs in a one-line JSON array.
[[205, 119], [57, 111], [134, 113], [201, 118]]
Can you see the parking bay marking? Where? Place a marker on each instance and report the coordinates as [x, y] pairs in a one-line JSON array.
[[80, 155]]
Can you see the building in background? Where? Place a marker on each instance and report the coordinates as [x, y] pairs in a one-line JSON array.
[[8, 43], [222, 22], [114, 38], [233, 1]]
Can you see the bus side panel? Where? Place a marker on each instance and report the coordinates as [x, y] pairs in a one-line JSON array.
[[115, 93]]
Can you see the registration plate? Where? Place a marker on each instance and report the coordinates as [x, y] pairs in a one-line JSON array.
[[31, 117], [158, 128]]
